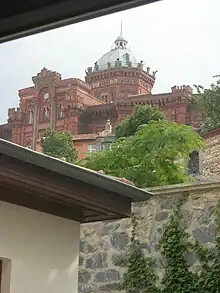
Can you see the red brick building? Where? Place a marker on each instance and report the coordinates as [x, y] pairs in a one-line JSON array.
[[112, 88]]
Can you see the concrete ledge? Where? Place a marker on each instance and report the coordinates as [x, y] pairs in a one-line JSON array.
[[180, 188]]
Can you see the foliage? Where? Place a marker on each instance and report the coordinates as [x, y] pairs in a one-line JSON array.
[[140, 274], [178, 277], [174, 245], [149, 157], [59, 145], [207, 101], [209, 277], [142, 115]]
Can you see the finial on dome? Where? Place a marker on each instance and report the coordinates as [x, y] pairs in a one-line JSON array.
[[120, 42], [121, 30]]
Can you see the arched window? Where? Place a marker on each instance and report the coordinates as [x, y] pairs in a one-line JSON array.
[[60, 112], [30, 116], [46, 113]]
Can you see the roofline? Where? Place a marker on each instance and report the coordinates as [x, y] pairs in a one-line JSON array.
[[75, 172], [84, 138], [211, 133], [185, 187], [54, 15]]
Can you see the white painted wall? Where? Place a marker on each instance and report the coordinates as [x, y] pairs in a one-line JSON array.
[[43, 249]]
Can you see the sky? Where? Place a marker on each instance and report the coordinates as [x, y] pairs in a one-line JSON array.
[[179, 38]]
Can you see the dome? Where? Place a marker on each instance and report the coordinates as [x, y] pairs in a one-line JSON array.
[[120, 53]]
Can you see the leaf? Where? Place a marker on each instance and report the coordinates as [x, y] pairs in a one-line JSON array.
[[149, 158], [59, 145]]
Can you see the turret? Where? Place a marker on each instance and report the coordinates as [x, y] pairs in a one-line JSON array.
[[15, 114], [182, 89], [117, 74], [16, 120], [46, 77]]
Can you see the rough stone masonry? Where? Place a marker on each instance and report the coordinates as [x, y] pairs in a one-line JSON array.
[[211, 155], [103, 242]]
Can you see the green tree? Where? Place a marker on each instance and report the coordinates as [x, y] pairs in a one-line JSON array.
[[149, 158], [207, 102], [142, 115], [59, 145]]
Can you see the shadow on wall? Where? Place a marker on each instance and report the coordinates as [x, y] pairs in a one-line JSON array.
[[194, 165]]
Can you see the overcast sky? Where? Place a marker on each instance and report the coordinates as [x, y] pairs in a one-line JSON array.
[[179, 38]]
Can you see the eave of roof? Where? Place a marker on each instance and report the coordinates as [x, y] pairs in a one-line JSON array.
[[72, 171], [26, 18], [87, 136]]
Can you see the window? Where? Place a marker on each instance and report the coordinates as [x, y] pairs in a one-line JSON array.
[[92, 148], [60, 112], [46, 113], [107, 145], [30, 116]]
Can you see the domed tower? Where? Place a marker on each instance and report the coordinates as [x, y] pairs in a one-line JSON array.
[[117, 74]]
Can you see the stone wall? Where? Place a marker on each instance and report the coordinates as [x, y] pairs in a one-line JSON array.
[[102, 242], [211, 154]]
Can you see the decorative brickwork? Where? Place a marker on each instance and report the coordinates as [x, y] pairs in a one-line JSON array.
[[112, 89]]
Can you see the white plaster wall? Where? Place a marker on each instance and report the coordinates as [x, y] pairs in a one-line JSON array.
[[43, 249]]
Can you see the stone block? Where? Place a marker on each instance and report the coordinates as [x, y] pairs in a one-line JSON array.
[[85, 247], [84, 276], [119, 240], [86, 288], [108, 287], [118, 259], [107, 276], [205, 234], [161, 216], [109, 228], [206, 215], [98, 260], [167, 203], [146, 246]]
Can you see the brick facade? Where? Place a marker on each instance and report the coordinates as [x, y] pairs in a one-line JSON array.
[[83, 107]]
